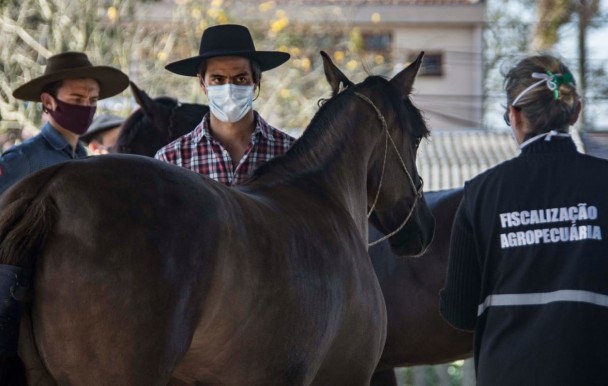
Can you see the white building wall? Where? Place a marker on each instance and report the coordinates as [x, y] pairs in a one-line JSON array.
[[454, 99]]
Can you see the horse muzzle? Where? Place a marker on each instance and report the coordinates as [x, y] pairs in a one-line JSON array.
[[415, 238]]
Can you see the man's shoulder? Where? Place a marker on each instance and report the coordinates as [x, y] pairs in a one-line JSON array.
[[281, 135], [272, 132], [18, 162], [278, 134], [25, 148]]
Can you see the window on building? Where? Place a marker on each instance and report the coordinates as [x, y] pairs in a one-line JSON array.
[[377, 41], [432, 63]]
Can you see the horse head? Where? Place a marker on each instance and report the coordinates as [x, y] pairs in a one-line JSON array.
[[157, 122], [396, 202]]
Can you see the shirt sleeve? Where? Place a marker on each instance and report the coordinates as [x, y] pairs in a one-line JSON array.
[[459, 298], [14, 165]]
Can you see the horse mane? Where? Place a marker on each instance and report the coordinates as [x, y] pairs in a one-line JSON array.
[[320, 125]]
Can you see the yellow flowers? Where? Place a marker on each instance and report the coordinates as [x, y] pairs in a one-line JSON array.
[[112, 14], [339, 57], [280, 22], [217, 14], [266, 6], [303, 63]]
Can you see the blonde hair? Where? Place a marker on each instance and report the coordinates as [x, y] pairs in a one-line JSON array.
[[544, 108]]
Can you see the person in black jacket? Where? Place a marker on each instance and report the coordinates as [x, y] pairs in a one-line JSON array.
[[528, 264]]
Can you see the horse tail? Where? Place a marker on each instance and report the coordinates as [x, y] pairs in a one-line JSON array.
[[27, 215]]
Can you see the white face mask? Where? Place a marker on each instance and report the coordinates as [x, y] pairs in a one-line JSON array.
[[230, 103]]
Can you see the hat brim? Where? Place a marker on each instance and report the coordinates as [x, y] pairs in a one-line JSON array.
[[266, 59], [108, 124], [111, 82]]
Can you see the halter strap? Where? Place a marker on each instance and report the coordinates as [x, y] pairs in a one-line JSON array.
[[417, 191]]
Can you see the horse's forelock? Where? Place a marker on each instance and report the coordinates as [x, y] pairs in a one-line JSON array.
[[413, 115], [421, 129]]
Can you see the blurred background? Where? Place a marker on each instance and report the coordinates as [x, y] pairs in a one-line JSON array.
[[469, 44]]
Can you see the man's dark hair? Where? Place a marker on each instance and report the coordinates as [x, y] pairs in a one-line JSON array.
[[256, 71], [52, 88]]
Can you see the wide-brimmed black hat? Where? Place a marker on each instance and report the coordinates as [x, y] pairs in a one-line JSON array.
[[100, 124], [227, 40], [74, 65]]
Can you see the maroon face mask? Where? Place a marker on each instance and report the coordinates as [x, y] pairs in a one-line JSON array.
[[74, 118]]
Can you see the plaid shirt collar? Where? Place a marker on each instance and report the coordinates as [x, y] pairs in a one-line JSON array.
[[261, 128]]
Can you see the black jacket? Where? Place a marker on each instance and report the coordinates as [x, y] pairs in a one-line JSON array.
[[528, 268]]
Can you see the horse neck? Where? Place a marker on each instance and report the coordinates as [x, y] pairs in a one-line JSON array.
[[331, 159]]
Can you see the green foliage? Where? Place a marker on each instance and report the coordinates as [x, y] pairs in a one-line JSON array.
[[552, 14], [111, 32], [34, 30], [507, 39]]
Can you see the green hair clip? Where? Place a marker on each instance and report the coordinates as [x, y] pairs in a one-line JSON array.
[[556, 80]]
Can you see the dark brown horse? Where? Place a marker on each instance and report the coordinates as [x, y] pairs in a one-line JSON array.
[[416, 332], [411, 287], [156, 123], [144, 273]]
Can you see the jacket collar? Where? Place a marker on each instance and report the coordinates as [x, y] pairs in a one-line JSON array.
[[548, 142], [58, 142]]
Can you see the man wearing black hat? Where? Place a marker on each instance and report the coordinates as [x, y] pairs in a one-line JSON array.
[[233, 139], [69, 91], [102, 133]]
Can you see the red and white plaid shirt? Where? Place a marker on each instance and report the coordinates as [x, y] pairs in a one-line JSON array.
[[200, 152]]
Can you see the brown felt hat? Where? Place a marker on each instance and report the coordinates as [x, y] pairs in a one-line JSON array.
[[69, 65], [227, 40]]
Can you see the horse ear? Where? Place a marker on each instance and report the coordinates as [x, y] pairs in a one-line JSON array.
[[147, 104], [405, 79], [334, 76]]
